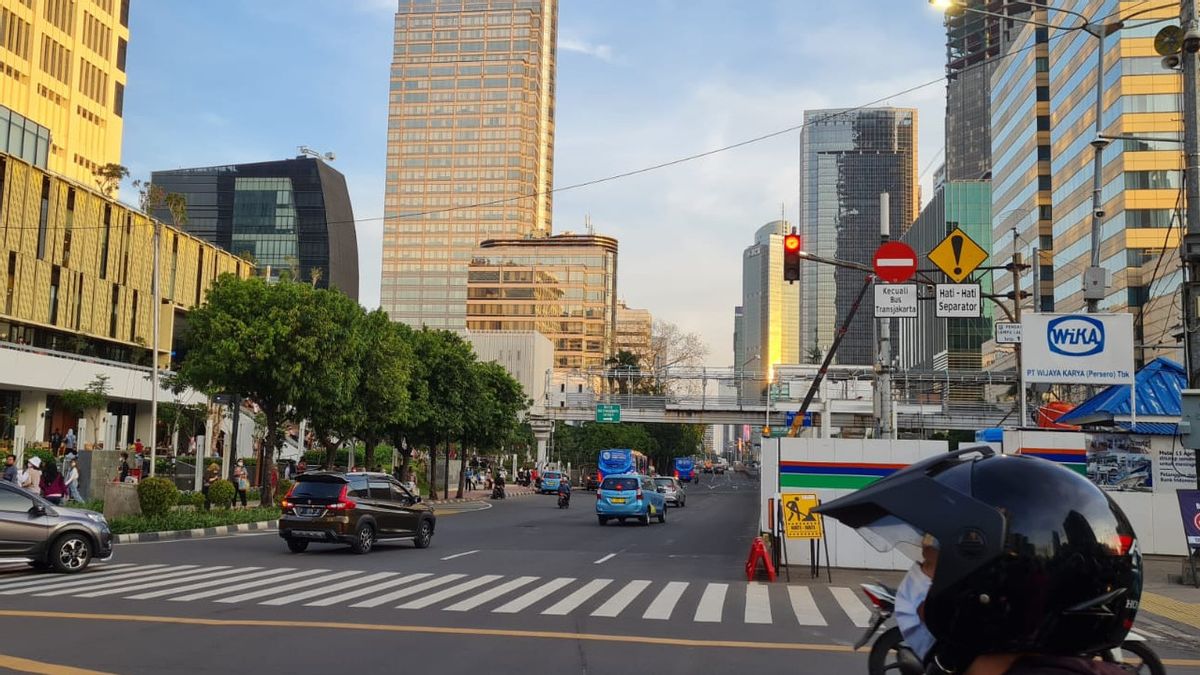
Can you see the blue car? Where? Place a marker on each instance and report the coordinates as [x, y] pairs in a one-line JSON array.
[[630, 495], [550, 481]]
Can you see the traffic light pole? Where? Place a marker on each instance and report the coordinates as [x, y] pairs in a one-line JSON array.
[[1190, 62], [884, 390]]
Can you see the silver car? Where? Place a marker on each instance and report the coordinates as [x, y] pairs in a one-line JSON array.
[[47, 536], [672, 490]]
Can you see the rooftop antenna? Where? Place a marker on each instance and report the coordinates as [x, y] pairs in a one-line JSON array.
[[587, 223], [305, 150]]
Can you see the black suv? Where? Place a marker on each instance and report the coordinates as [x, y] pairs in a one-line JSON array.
[[358, 509]]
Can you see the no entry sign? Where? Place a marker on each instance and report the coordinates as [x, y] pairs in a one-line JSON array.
[[895, 262]]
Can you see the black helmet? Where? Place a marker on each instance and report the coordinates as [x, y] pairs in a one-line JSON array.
[[1033, 558]]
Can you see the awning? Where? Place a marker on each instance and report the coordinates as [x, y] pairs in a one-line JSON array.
[[1159, 386]]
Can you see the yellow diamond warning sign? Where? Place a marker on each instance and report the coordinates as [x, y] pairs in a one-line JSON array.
[[799, 522], [957, 255]]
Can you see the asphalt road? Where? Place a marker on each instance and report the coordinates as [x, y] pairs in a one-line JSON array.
[[510, 586]]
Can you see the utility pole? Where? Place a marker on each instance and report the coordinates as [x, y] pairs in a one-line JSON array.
[[1190, 23], [1016, 283], [1095, 277], [885, 335], [154, 349]]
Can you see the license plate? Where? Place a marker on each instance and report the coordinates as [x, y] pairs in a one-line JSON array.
[[617, 500], [308, 511], [308, 533]]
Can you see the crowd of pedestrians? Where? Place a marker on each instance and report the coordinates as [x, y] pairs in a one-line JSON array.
[[57, 485]]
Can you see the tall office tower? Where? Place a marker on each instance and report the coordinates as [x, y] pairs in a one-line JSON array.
[[470, 145], [770, 306], [973, 43], [290, 215], [564, 287], [62, 83], [847, 158]]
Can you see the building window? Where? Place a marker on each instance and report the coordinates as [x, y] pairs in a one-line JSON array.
[[1043, 123], [69, 225], [1045, 212], [1046, 241], [1153, 180], [1043, 93], [55, 277], [43, 218], [1148, 217], [104, 238], [122, 49], [113, 310], [1043, 152], [119, 100]]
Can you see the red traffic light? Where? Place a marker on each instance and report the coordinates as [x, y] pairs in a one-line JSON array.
[[791, 243]]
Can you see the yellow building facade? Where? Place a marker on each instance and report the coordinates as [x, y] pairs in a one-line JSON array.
[[62, 65], [76, 269]]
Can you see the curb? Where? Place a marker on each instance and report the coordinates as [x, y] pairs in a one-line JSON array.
[[474, 499], [198, 533]]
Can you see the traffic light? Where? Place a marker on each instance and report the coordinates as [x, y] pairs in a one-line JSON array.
[[791, 257]]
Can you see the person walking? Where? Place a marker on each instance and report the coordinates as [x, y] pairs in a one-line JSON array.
[[123, 469], [32, 476], [72, 481], [212, 475], [241, 481], [56, 440], [51, 484], [10, 469], [69, 441]]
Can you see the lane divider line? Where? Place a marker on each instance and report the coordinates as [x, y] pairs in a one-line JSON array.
[[459, 555]]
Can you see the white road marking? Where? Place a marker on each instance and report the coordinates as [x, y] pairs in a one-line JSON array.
[[375, 588], [433, 599], [859, 615], [606, 558], [542, 592], [46, 580], [459, 555], [758, 604], [711, 604], [204, 573], [805, 607], [240, 585], [621, 599], [664, 604], [254, 595], [249, 574], [491, 594], [325, 590], [577, 598], [409, 590], [144, 575]]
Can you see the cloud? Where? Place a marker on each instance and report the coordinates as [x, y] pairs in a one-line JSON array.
[[580, 46]]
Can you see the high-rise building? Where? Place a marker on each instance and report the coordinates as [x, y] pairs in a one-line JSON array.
[[62, 83], [848, 157], [289, 216], [770, 306], [634, 332], [470, 145], [973, 43], [927, 342], [564, 287]]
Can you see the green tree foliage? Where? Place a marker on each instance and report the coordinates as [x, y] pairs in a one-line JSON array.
[[494, 416], [109, 177], [444, 366], [221, 494], [329, 400], [157, 496], [661, 442], [384, 404], [91, 400]]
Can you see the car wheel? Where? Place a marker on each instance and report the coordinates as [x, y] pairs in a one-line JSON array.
[[424, 534], [71, 553], [662, 516], [602, 520], [645, 520], [297, 545], [364, 539]]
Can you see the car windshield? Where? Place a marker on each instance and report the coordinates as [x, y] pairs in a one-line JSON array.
[[552, 474], [619, 484], [321, 489], [666, 482]]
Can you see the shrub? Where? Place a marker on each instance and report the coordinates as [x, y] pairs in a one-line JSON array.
[[221, 494], [281, 491], [96, 505], [193, 499], [187, 520], [157, 495]]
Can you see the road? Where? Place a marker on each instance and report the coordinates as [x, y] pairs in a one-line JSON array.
[[510, 586]]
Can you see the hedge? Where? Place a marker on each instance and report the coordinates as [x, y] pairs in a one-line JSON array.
[[157, 495], [221, 494], [190, 520]]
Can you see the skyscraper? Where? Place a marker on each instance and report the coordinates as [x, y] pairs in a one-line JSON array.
[[62, 72], [290, 215], [770, 305], [848, 157], [470, 145]]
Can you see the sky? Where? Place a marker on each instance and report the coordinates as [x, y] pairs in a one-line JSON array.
[[640, 83]]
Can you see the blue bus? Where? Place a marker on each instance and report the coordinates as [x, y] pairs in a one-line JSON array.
[[617, 461], [685, 469]]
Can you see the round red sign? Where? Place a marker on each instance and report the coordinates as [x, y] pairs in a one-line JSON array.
[[895, 262]]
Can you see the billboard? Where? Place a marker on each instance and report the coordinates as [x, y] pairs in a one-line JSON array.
[[1077, 348]]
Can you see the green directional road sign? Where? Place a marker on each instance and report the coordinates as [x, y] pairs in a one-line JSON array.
[[608, 412]]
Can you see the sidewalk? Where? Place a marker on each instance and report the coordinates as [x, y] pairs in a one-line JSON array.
[[510, 491], [1165, 598]]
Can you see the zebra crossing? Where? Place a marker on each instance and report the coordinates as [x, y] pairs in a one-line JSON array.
[[701, 602]]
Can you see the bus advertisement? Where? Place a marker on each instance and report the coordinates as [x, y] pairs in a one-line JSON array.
[[621, 460], [685, 469]]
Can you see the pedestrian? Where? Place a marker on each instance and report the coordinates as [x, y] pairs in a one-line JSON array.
[[410, 484], [241, 481], [72, 481], [138, 448], [145, 465], [123, 469], [55, 442], [69, 441], [32, 476], [212, 476], [51, 484], [10, 469], [302, 466]]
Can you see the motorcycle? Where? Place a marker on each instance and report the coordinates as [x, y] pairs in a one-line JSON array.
[[497, 491], [890, 653], [564, 500]]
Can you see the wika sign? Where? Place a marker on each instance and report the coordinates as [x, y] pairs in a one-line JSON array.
[[1077, 348]]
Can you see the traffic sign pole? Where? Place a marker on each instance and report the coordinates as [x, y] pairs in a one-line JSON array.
[[885, 326]]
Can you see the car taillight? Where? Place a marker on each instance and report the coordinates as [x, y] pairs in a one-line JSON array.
[[677, 473], [343, 503], [288, 503], [597, 495], [639, 495]]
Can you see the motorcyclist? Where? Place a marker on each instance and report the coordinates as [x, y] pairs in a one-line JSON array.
[[910, 599], [1036, 568], [564, 490]]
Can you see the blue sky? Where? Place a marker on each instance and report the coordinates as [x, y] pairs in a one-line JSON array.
[[640, 82]]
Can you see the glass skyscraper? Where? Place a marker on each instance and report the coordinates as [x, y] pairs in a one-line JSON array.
[[770, 306], [470, 145], [848, 157]]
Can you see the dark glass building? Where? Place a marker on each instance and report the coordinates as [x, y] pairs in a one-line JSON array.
[[292, 215]]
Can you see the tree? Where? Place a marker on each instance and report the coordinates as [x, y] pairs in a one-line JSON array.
[[383, 398], [177, 414], [263, 342], [329, 401], [444, 361], [494, 417], [177, 205], [109, 177], [620, 368], [89, 401], [671, 347]]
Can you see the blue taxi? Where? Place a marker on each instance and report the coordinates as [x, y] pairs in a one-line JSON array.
[[630, 495], [550, 481]]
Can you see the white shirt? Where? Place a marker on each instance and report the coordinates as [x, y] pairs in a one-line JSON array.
[[909, 597], [72, 476]]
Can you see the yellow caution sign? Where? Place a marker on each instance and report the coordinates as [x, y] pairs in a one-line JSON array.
[[799, 522], [957, 255]]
